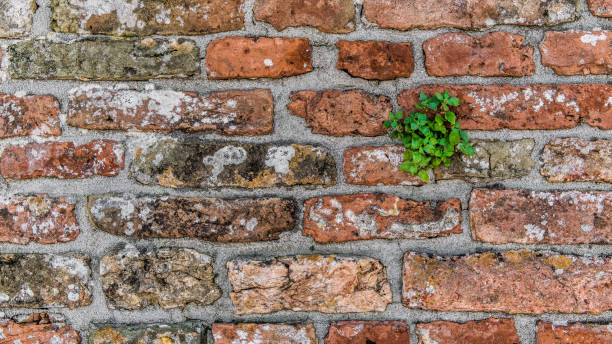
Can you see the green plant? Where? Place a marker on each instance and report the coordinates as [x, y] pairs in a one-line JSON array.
[[431, 136]]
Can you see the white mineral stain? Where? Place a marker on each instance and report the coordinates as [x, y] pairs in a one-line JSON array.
[[228, 155], [279, 158], [534, 232], [593, 39]]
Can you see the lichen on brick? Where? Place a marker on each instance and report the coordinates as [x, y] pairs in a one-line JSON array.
[[177, 333]]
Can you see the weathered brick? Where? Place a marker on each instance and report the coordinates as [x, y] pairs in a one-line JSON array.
[[367, 332], [164, 277], [37, 328], [375, 60], [38, 218], [62, 160], [221, 164], [467, 14], [492, 107], [44, 280], [550, 333], [333, 16], [181, 333], [492, 54], [601, 8], [342, 113], [104, 59], [264, 333], [378, 216], [577, 160], [227, 112], [577, 52], [16, 18], [260, 57], [511, 282], [376, 165], [541, 217], [498, 331], [146, 17], [492, 161], [212, 219], [326, 284], [29, 115]]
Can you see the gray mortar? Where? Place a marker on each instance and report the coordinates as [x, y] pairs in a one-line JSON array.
[[287, 127]]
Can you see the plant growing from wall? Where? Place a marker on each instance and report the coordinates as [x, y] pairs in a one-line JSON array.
[[431, 135]]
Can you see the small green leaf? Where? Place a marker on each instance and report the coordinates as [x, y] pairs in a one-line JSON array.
[[405, 166], [467, 149], [393, 124], [439, 96], [450, 117], [423, 176], [454, 101], [423, 96]]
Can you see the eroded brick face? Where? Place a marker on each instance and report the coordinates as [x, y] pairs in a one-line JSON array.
[[577, 160], [492, 54], [181, 333], [16, 18], [376, 165], [333, 16], [549, 333], [261, 57], [264, 333], [342, 113], [577, 52], [37, 328], [378, 216], [29, 115], [326, 284], [366, 332], [375, 60], [499, 331]]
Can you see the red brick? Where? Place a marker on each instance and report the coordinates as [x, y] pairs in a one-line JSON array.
[[368, 332], [601, 8], [62, 160], [264, 333], [375, 60], [39, 218], [37, 328], [378, 216], [547, 107], [541, 217], [29, 115], [227, 112], [333, 16], [261, 57], [577, 160], [513, 282], [492, 54], [549, 333], [326, 284], [342, 113], [376, 165], [577, 52], [498, 331], [466, 14]]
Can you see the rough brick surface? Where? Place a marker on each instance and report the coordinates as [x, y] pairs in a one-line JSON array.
[[182, 333], [211, 219], [492, 161], [146, 17], [62, 160], [378, 216], [539, 217], [104, 59], [16, 18], [264, 333], [165, 277], [577, 160], [38, 218], [37, 328], [190, 164], [577, 52], [333, 16], [44, 280], [466, 14], [227, 112], [375, 60], [492, 54], [29, 115], [376, 165], [327, 284], [538, 106], [261, 57], [601, 8], [511, 282], [368, 332], [498, 331], [341, 113], [549, 333]]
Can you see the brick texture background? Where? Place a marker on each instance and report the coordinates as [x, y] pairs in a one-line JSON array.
[[217, 172]]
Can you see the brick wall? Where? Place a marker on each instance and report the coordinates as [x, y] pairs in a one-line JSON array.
[[217, 171]]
